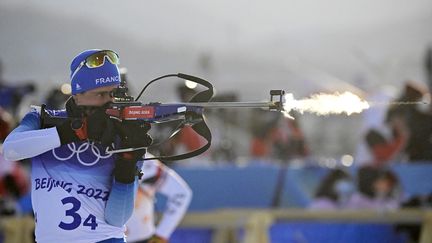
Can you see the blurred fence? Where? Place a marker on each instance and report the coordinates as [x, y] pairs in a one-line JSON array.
[[296, 225], [270, 186], [276, 197]]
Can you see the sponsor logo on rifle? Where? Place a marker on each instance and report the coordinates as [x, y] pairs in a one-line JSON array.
[[139, 112]]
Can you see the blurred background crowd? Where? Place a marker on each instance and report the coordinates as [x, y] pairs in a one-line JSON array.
[[389, 65]]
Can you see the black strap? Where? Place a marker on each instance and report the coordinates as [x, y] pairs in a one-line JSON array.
[[203, 130], [199, 127]]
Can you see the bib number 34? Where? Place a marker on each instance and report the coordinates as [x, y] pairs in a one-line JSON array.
[[72, 213]]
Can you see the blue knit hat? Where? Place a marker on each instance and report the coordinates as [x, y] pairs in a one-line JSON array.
[[91, 78]]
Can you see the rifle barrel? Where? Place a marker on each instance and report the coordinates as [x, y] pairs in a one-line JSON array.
[[232, 104]]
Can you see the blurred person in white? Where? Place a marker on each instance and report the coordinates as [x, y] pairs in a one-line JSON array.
[[378, 189], [334, 192], [158, 178]]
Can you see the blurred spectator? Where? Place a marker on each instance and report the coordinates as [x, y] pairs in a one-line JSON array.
[[277, 138], [11, 95], [417, 120], [419, 145], [334, 192], [384, 150], [373, 120], [377, 189], [411, 92], [260, 124], [15, 210], [259, 145], [14, 184], [406, 131], [287, 139], [14, 181]]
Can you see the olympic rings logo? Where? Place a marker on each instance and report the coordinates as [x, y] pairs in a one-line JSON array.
[[81, 149]]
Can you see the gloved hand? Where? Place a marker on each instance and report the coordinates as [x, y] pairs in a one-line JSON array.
[[87, 123], [90, 127], [72, 130], [97, 123], [133, 134], [157, 239]]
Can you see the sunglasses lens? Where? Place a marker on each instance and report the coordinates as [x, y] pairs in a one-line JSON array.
[[95, 60], [112, 57], [98, 59]]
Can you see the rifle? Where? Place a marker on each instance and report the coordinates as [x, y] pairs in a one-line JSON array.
[[127, 108]]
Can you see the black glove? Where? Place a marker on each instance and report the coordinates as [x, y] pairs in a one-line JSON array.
[[133, 134], [97, 126], [72, 130], [85, 123]]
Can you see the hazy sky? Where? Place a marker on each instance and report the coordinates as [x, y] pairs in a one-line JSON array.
[[348, 40], [222, 23]]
